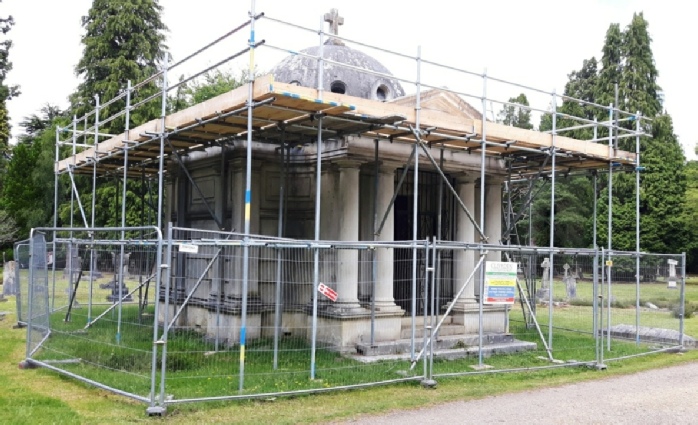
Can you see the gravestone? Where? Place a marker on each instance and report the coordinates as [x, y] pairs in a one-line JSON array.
[[114, 284], [570, 282], [73, 265], [9, 283], [544, 292], [114, 296], [671, 282], [94, 270], [118, 262]]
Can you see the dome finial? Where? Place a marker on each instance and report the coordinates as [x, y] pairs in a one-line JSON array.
[[334, 20]]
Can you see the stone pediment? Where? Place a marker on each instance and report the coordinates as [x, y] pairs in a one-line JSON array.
[[442, 101]]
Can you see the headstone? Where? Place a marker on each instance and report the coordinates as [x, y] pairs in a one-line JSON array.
[[114, 296], [544, 292], [94, 270], [73, 265], [9, 283], [570, 282], [117, 263], [115, 283], [671, 282]]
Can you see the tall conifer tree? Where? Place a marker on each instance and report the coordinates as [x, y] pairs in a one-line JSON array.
[[123, 40]]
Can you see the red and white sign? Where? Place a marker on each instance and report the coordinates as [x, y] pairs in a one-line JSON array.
[[327, 291]]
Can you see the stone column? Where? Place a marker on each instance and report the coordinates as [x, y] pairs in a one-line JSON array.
[[348, 220], [493, 214], [384, 257], [464, 261]]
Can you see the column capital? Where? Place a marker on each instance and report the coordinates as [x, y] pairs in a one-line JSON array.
[[494, 180], [388, 167], [464, 178], [348, 163]]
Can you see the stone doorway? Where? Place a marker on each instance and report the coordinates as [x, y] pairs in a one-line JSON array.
[[428, 216]]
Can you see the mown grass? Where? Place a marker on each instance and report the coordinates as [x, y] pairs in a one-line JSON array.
[[40, 396]]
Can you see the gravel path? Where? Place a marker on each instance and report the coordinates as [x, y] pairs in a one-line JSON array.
[[661, 396]]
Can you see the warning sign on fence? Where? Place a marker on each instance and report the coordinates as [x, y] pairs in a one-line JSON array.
[[189, 248], [327, 291], [500, 282]]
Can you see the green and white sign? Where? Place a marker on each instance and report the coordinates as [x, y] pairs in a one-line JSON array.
[[500, 282]]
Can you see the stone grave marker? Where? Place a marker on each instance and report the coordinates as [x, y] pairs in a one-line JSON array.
[[570, 282], [544, 292], [9, 284], [671, 282]]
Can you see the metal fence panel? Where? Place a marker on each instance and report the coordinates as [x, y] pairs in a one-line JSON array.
[[287, 348], [97, 307], [37, 316], [21, 256], [324, 315]]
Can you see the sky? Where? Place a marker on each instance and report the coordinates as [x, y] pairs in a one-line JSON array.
[[535, 43]]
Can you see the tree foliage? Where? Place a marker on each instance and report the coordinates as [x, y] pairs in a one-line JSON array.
[[8, 228], [27, 194], [627, 61], [123, 40], [6, 92], [516, 113]]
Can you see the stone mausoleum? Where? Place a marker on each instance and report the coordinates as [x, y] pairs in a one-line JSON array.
[[350, 179]]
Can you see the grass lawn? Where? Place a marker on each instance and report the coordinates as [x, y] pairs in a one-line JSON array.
[[41, 396]]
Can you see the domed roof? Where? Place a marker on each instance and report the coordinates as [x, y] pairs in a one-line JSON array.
[[302, 71]]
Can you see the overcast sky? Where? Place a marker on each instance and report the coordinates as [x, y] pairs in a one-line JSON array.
[[535, 43]]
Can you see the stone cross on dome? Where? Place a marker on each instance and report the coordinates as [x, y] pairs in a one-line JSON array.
[[334, 20]]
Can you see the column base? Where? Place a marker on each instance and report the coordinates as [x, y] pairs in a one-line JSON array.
[[342, 331], [494, 317]]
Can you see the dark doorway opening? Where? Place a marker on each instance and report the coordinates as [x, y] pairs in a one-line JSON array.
[[427, 226]]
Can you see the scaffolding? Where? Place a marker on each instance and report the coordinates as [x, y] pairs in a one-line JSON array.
[[269, 116]]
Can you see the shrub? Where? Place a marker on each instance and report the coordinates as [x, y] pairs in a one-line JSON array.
[[689, 310]]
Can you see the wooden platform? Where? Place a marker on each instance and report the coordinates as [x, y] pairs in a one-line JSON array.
[[296, 110]]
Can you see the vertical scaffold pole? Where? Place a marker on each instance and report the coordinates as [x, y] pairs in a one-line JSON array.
[[599, 340], [595, 324], [415, 206], [637, 227], [318, 199], [161, 172], [163, 135], [167, 267], [248, 200], [551, 244], [55, 215], [610, 222], [482, 215], [94, 193], [123, 208], [682, 299], [374, 266], [279, 253], [154, 353], [437, 263]]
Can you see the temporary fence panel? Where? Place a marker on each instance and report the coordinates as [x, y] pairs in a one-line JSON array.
[[101, 308], [37, 313], [237, 317], [644, 313], [21, 255], [282, 344]]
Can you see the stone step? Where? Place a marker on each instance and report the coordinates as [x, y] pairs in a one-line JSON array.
[[510, 347], [443, 342], [444, 330]]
